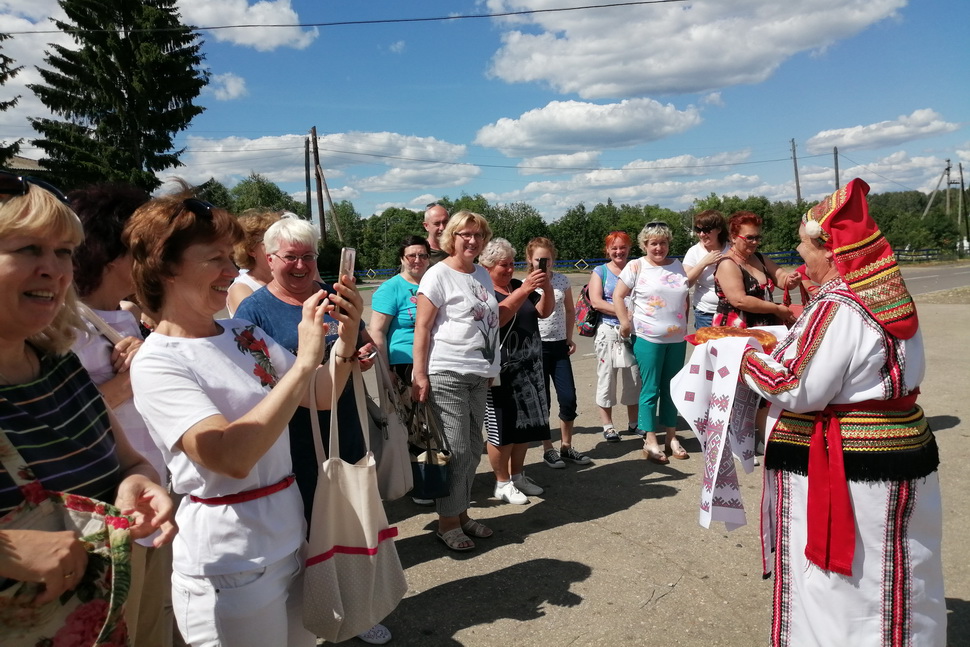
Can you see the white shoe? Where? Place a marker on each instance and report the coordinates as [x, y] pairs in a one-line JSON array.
[[527, 486], [376, 635], [510, 494]]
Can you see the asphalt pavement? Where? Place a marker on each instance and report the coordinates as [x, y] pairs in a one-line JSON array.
[[612, 553]]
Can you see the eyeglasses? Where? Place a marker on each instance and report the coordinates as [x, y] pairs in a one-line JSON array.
[[13, 184], [752, 238], [704, 230], [469, 235], [415, 257], [200, 208], [290, 259]]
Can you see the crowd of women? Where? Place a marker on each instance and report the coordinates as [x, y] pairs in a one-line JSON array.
[[219, 409]]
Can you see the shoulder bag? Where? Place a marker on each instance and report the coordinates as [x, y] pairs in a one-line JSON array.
[[587, 317], [389, 435], [93, 612], [429, 456], [353, 577]]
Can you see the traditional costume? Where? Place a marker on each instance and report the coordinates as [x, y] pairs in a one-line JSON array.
[[852, 497]]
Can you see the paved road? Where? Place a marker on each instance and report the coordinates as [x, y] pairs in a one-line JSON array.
[[612, 553]]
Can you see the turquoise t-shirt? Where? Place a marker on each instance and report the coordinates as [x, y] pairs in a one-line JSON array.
[[397, 298]]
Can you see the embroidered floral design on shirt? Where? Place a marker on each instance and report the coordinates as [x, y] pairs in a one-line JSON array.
[[247, 343]]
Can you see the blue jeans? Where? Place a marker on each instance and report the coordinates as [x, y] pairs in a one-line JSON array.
[[557, 365], [703, 319]]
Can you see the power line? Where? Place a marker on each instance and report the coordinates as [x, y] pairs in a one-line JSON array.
[[346, 23], [876, 173]]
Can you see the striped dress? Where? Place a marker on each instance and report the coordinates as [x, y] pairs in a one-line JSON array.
[[883, 585], [59, 425]]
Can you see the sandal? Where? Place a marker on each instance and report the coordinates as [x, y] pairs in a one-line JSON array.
[[454, 539], [655, 456], [677, 451], [475, 529]]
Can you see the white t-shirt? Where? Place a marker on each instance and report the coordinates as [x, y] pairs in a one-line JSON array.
[[659, 298], [94, 351], [179, 382], [704, 298], [464, 336], [553, 327]]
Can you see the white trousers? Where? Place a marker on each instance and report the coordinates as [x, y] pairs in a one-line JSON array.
[[258, 608]]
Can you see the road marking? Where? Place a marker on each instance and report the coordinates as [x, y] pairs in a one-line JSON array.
[[918, 278]]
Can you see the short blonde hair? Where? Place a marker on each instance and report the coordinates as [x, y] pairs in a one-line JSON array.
[[39, 212], [459, 221], [654, 229]]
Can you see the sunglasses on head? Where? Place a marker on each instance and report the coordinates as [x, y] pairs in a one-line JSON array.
[[200, 208], [656, 223], [13, 184]]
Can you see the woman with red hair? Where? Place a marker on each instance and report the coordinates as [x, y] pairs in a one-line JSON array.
[[744, 279], [602, 282]]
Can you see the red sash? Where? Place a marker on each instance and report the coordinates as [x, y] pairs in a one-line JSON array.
[[831, 523], [248, 495]]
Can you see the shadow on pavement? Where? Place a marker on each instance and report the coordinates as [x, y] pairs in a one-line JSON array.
[[939, 423], [957, 621], [517, 592]]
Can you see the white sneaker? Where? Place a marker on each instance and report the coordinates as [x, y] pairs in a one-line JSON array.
[[526, 486], [510, 494]]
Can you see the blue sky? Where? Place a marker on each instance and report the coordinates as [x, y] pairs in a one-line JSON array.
[[649, 104]]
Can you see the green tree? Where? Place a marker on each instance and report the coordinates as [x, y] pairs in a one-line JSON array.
[[7, 72], [122, 94], [256, 192], [216, 193], [519, 223]]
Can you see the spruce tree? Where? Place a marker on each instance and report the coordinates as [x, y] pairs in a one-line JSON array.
[[7, 72], [122, 94]]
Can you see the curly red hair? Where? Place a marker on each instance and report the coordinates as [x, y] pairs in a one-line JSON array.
[[740, 219]]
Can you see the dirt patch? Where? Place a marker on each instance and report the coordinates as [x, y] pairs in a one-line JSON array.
[[956, 296]]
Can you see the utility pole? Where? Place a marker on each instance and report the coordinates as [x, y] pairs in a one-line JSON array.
[[945, 173], [966, 217], [316, 163], [835, 153], [798, 187], [306, 167]]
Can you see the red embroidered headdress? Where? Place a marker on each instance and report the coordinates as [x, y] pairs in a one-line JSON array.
[[863, 257]]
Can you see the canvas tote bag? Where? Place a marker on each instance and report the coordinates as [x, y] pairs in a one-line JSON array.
[[389, 435], [354, 577], [92, 613]]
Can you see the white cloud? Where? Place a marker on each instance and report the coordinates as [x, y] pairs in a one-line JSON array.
[[403, 179], [544, 164], [565, 126], [676, 48], [713, 99], [226, 87], [397, 46], [921, 123], [240, 12]]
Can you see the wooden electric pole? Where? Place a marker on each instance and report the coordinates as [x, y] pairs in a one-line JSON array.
[[316, 164], [835, 153], [306, 168], [798, 187]]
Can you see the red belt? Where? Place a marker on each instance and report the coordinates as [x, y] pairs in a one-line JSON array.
[[831, 524], [248, 495]]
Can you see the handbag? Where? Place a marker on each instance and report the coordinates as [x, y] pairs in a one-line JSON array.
[[622, 354], [389, 435], [353, 576], [429, 457], [587, 317], [93, 612]]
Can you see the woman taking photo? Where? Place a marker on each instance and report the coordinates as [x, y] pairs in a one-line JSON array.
[[556, 331], [657, 287], [217, 397], [54, 416], [516, 409], [701, 261], [456, 353], [602, 282], [744, 279], [394, 305]]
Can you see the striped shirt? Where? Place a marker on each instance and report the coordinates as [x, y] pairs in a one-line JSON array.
[[59, 425]]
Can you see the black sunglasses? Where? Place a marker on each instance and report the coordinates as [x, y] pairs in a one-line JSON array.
[[13, 184], [751, 239], [656, 223], [200, 208], [704, 230]]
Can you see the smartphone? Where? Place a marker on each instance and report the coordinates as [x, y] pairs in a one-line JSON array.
[[348, 258], [544, 264]]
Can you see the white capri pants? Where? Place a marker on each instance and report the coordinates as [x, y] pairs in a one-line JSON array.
[[607, 377]]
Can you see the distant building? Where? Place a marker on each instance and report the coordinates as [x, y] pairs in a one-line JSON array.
[[18, 163]]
